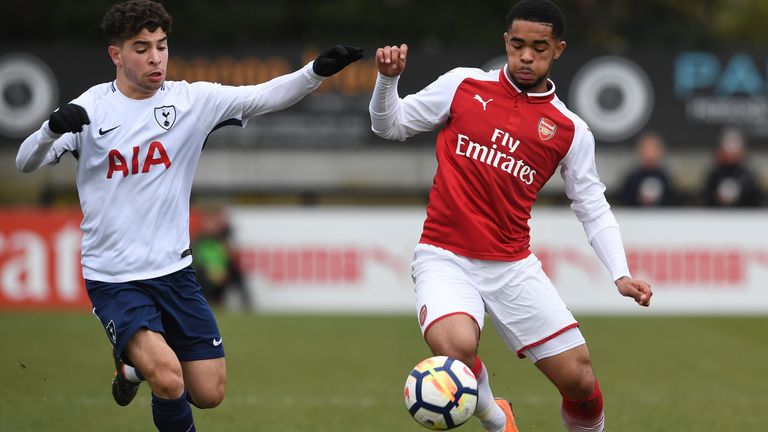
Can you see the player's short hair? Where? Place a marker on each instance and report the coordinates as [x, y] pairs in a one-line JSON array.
[[539, 11], [125, 20]]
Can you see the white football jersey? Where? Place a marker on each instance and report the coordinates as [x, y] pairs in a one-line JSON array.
[[136, 164]]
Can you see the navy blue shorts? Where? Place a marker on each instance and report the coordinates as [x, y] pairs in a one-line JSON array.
[[172, 305]]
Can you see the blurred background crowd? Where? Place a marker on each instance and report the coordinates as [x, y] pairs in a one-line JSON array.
[[679, 108]]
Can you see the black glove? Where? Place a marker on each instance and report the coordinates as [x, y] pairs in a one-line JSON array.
[[69, 118], [335, 59]]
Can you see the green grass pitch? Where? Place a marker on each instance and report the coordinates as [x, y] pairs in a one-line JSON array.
[[345, 373]]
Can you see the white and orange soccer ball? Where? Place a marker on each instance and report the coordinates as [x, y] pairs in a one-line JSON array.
[[441, 393]]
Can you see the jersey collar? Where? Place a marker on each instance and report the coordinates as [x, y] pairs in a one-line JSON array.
[[507, 83], [114, 86]]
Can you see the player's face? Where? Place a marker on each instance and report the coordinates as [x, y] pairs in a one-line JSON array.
[[141, 63], [531, 50]]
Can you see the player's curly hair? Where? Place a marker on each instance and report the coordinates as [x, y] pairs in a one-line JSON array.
[[125, 20], [539, 11]]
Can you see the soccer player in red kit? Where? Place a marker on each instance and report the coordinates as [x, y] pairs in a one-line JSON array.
[[504, 134]]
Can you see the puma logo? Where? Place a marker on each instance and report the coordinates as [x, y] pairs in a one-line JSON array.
[[479, 99]]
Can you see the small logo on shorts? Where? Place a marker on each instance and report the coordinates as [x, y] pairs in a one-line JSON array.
[[111, 331], [217, 342], [423, 315]]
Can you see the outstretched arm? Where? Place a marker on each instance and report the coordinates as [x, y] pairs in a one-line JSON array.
[[281, 92], [586, 191], [225, 103]]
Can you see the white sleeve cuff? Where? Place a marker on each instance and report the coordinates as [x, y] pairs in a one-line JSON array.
[[609, 248], [384, 98], [384, 109], [310, 70]]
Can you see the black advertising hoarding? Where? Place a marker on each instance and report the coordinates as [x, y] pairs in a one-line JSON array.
[[688, 96], [34, 79]]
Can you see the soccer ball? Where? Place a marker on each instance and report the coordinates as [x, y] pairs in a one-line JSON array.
[[441, 393]]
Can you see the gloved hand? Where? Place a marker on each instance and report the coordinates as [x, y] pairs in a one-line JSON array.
[[335, 59], [69, 118]]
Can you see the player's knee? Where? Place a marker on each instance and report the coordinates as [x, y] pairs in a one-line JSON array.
[[210, 397], [209, 400], [464, 352], [456, 336], [166, 379], [580, 384], [168, 386]]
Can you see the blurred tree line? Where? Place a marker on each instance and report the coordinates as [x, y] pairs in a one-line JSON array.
[[609, 24]]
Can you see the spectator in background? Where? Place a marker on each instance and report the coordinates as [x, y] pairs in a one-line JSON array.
[[215, 262], [648, 185], [730, 182]]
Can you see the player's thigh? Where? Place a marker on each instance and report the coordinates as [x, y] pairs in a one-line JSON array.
[[206, 381], [123, 309], [527, 310], [445, 289]]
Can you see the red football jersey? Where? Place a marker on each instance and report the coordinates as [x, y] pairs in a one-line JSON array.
[[498, 148]]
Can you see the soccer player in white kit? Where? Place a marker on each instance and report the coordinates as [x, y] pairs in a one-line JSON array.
[[504, 134], [137, 141]]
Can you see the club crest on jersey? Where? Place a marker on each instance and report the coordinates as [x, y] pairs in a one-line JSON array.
[[165, 116], [547, 129]]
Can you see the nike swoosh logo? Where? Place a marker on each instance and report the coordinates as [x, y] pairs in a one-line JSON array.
[[104, 132], [216, 342]]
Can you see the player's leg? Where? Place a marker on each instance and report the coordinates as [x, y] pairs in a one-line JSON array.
[[458, 336], [205, 381], [134, 326], [191, 330], [571, 372], [548, 335], [150, 353], [194, 345], [122, 308], [451, 314], [527, 311]]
